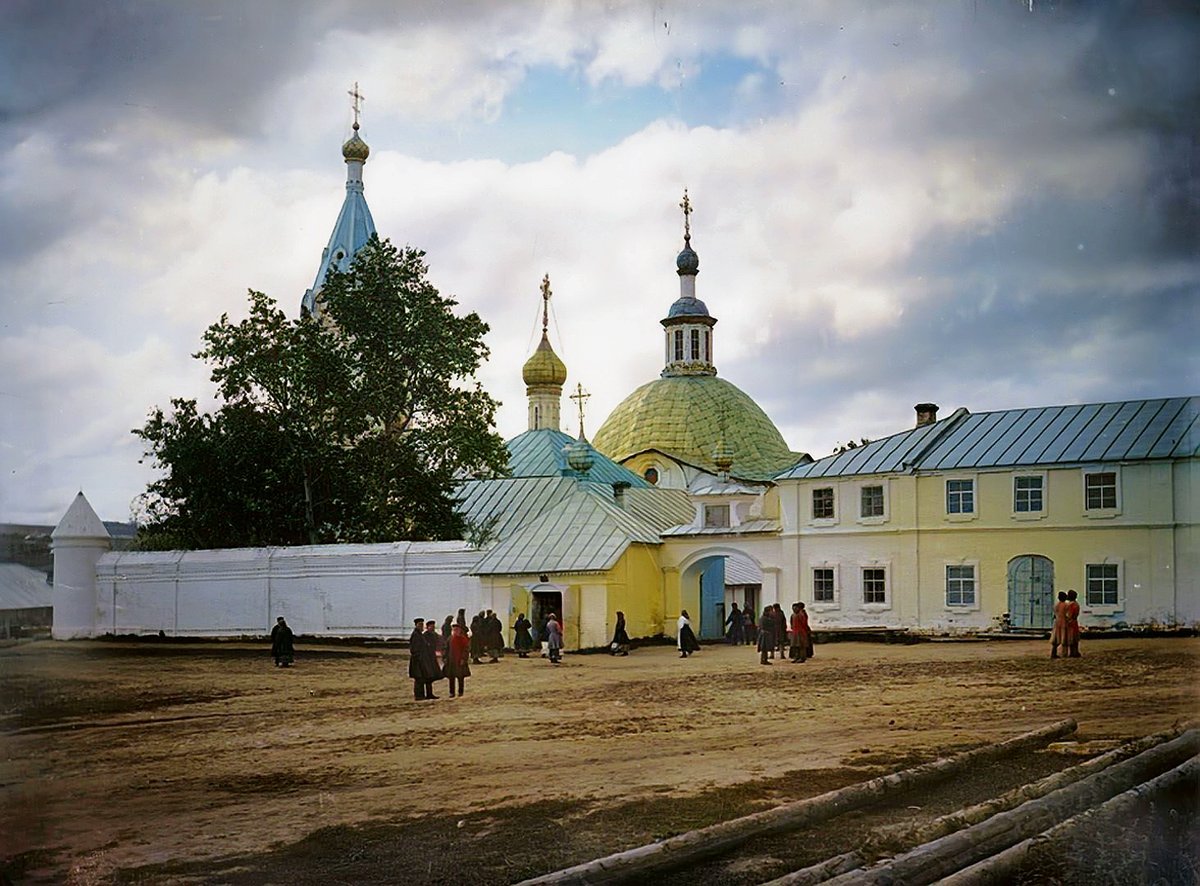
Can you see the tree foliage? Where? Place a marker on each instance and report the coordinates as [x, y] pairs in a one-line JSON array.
[[353, 425]]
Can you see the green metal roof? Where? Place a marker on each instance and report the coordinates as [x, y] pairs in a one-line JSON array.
[[1132, 430], [585, 532], [685, 417], [540, 453]]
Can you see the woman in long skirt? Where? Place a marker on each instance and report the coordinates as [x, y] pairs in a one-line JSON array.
[[620, 640], [522, 638], [686, 636]]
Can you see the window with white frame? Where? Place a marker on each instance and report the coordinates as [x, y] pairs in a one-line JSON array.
[[960, 585], [960, 496], [872, 501], [822, 577], [874, 584], [678, 344], [716, 516], [695, 344], [1029, 494], [1100, 490], [1103, 584], [822, 503]]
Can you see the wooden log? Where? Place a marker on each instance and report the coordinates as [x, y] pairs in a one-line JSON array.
[[1001, 868], [716, 839], [900, 837], [946, 855], [822, 870]]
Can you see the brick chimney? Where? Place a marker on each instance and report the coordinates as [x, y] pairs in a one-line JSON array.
[[926, 413]]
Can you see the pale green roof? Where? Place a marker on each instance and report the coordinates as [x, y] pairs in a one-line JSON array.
[[685, 417], [587, 531], [539, 453]]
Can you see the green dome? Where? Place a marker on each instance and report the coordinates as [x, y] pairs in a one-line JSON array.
[[687, 418]]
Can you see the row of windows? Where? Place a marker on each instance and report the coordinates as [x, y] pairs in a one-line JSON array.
[[692, 347], [1102, 585], [1100, 494]]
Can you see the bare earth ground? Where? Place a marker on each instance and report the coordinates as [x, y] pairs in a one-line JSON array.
[[187, 763]]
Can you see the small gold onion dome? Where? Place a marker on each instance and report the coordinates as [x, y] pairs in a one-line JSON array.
[[544, 367], [355, 148]]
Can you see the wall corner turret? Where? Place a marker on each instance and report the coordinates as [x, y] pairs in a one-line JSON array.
[[77, 543]]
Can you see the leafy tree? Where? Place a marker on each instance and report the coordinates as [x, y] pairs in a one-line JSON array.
[[353, 425]]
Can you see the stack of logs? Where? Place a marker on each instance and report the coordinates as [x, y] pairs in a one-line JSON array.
[[985, 843]]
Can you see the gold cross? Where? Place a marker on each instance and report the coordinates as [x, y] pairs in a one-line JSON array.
[[686, 206], [546, 293], [358, 97], [580, 397]]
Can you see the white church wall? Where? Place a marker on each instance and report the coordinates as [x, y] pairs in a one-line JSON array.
[[333, 590]]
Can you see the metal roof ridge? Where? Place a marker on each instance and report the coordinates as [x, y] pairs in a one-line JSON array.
[[936, 436]]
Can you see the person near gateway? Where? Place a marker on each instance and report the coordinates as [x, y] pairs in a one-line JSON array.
[[522, 637], [283, 648], [554, 639], [1058, 632], [685, 636], [734, 623], [1071, 629]]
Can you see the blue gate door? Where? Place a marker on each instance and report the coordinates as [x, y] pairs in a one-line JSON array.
[[1031, 591], [712, 600]]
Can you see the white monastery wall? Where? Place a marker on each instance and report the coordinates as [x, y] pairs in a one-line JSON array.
[[331, 590]]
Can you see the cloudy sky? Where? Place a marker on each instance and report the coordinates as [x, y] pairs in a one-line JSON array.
[[982, 204]]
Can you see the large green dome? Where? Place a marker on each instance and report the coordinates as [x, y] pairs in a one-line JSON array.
[[686, 417]]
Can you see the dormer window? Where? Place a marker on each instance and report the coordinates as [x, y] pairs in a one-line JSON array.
[[650, 475], [716, 516]]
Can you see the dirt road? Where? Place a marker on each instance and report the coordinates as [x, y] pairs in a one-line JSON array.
[[168, 762]]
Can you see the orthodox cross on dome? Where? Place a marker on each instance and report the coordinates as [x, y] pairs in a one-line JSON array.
[[686, 206], [546, 293], [580, 397], [358, 97]]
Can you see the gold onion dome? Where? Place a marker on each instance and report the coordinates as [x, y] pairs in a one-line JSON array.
[[544, 367], [355, 148]]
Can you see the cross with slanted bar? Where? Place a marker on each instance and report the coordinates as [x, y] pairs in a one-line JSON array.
[[580, 397], [358, 97]]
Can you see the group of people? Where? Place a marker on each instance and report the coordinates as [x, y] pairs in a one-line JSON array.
[[740, 626], [777, 633], [448, 655], [1066, 626]]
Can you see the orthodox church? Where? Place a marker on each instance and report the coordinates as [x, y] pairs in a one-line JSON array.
[[688, 497]]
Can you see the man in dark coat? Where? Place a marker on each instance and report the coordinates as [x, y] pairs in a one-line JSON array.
[[416, 643], [494, 631], [282, 640], [430, 669], [734, 623], [766, 635], [477, 631]]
